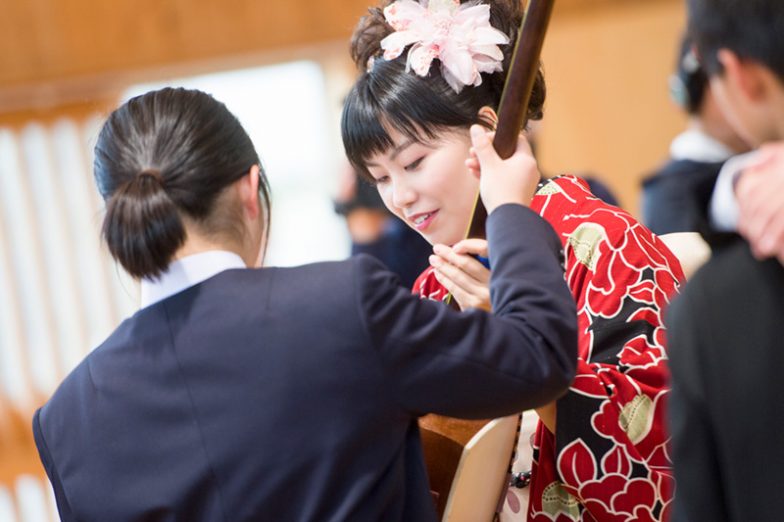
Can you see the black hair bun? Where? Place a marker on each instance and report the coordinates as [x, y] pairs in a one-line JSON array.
[[366, 40]]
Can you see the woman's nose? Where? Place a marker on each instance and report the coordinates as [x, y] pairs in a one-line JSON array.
[[403, 194]]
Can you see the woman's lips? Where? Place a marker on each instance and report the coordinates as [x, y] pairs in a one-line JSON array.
[[422, 221]]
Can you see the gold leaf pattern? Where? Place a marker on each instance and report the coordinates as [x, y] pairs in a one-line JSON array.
[[635, 418], [585, 241], [556, 499], [550, 188]]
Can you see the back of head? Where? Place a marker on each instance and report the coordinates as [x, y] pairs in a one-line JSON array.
[[389, 94], [689, 83], [163, 158], [752, 29]]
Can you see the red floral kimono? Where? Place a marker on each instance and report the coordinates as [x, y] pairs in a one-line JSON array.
[[609, 460]]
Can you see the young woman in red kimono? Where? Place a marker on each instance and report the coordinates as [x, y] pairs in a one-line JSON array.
[[429, 71]]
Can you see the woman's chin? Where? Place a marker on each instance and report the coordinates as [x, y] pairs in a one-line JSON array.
[[443, 239]]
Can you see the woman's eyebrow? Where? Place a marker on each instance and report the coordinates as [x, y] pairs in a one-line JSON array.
[[395, 151], [400, 148]]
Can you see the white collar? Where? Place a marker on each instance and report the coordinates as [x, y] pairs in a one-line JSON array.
[[695, 145], [187, 272]]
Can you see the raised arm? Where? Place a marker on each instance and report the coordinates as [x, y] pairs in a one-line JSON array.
[[474, 364]]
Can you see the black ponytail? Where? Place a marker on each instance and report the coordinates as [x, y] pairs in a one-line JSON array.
[[142, 226], [165, 157]]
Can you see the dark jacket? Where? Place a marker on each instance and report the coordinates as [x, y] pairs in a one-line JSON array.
[[291, 394], [673, 197], [727, 406]]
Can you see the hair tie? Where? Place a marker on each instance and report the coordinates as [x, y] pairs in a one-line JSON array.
[[153, 173], [460, 36]]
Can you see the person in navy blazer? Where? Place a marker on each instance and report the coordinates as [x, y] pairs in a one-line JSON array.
[[290, 394]]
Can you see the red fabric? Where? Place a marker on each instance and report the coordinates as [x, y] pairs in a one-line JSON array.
[[610, 459]]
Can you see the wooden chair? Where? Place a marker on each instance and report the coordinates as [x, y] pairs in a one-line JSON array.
[[482, 473]]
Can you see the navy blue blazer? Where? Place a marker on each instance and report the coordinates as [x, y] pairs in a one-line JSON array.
[[291, 394]]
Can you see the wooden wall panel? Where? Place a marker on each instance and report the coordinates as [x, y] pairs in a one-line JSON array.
[[50, 39], [608, 108]]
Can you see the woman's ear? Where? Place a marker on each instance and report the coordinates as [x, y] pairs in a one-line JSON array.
[[488, 117], [250, 203], [248, 187]]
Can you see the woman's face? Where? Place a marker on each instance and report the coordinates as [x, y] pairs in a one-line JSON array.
[[427, 185]]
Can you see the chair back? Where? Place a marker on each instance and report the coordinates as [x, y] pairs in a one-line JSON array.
[[482, 473]]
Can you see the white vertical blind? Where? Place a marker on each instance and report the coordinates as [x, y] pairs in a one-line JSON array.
[[83, 223], [7, 506], [33, 499], [60, 297], [14, 381], [23, 242]]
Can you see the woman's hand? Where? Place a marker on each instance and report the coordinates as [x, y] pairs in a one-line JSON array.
[[459, 272], [469, 283]]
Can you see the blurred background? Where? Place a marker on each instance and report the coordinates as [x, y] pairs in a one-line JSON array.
[[282, 67]]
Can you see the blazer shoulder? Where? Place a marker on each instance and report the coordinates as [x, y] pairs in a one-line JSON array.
[[77, 388], [70, 391], [734, 270], [316, 291], [336, 276]]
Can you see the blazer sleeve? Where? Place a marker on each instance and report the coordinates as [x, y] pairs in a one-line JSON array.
[[66, 515], [475, 364]]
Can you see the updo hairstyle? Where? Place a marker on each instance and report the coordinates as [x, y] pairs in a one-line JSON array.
[[386, 96]]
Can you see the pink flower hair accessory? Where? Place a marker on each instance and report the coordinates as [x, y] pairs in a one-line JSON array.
[[459, 36]]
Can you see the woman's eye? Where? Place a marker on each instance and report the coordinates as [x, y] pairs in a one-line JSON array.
[[381, 180], [414, 164]]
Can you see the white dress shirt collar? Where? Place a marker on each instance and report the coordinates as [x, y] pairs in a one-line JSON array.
[[695, 145], [187, 272]]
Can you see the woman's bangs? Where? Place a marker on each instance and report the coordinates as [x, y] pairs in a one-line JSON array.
[[364, 135], [366, 122]]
